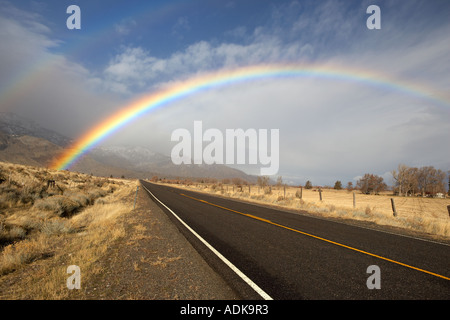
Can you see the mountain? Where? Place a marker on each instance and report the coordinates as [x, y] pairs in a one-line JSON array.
[[25, 142], [14, 125], [38, 152], [150, 163], [26, 150]]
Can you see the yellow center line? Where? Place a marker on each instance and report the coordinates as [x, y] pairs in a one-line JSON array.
[[319, 238]]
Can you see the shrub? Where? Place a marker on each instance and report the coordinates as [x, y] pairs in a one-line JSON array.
[[93, 194], [100, 201], [268, 191], [17, 233], [60, 205], [56, 226], [20, 253], [8, 199], [79, 197], [11, 233]]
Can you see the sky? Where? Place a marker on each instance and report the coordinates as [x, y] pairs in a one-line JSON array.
[[330, 128]]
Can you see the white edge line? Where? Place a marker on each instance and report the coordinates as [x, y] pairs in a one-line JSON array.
[[253, 285]]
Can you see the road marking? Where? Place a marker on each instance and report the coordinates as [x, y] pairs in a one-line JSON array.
[[253, 285], [319, 238]]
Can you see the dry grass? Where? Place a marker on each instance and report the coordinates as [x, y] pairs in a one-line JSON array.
[[56, 227], [16, 255], [427, 215]]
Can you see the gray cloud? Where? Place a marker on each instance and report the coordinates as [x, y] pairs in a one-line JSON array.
[[329, 129], [45, 86]]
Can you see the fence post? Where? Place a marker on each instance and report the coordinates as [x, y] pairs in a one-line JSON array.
[[320, 194], [354, 200], [301, 192], [135, 197], [448, 209], [393, 207]]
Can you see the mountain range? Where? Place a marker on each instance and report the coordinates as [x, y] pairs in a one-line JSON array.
[[24, 141]]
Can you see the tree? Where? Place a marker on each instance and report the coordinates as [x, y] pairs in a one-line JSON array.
[[400, 177], [237, 181], [338, 185], [411, 181], [279, 181], [262, 181], [448, 193], [437, 181], [371, 184], [350, 186], [308, 185], [426, 180]]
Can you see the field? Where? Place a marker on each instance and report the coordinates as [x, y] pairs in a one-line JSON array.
[[427, 215]]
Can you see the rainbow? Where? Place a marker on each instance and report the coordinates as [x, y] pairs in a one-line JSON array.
[[220, 78]]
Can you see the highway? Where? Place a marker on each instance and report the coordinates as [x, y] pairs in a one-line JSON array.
[[265, 253]]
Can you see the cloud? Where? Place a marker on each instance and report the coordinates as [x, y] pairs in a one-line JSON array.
[[42, 85], [329, 129], [135, 69], [181, 27], [125, 27]]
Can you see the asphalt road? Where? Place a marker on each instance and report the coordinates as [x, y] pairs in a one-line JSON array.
[[295, 256]]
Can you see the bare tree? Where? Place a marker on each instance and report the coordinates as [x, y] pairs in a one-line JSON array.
[[371, 183], [437, 182], [279, 181], [262, 181], [236, 181], [400, 177], [426, 180], [448, 193], [350, 186], [411, 181]]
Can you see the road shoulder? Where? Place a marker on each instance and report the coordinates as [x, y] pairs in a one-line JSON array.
[[155, 261]]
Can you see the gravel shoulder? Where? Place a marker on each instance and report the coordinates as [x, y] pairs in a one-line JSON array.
[[155, 261]]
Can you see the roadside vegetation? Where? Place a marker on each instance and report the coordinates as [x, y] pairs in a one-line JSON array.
[[62, 217]]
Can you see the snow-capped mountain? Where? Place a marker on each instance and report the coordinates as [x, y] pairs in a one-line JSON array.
[[26, 142], [14, 125]]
